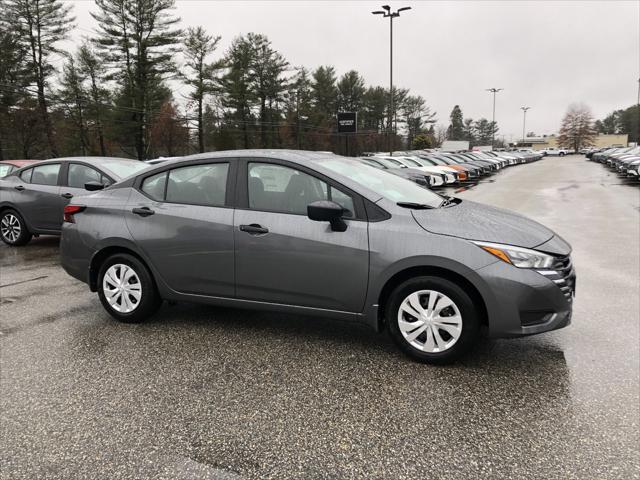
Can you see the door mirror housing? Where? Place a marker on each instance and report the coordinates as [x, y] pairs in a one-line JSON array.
[[327, 211], [93, 186]]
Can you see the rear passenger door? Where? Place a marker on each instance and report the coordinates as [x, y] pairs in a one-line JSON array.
[[182, 219], [38, 196]]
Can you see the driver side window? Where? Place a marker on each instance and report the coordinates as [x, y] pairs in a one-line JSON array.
[[276, 188]]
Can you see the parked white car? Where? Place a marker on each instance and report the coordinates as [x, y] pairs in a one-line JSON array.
[[561, 152]]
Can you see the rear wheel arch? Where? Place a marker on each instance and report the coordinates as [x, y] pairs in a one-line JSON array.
[[102, 255], [426, 270]]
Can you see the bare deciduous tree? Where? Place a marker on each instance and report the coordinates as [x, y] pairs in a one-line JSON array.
[[577, 130]]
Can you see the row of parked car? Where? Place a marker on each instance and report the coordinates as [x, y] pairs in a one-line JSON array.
[[436, 169], [624, 161]]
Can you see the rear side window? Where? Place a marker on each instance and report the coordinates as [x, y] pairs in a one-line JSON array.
[[198, 184], [80, 174], [45, 174], [154, 186]]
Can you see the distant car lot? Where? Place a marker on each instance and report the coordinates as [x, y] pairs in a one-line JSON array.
[[199, 390]]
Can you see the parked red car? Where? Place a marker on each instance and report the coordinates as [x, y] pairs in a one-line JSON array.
[[8, 166]]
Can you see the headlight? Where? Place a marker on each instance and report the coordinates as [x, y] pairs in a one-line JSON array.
[[518, 256]]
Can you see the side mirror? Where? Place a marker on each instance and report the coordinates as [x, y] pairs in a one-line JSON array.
[[93, 186], [326, 211]]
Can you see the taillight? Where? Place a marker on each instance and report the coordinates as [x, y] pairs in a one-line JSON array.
[[71, 210]]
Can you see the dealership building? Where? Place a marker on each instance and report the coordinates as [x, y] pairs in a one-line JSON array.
[[599, 141]]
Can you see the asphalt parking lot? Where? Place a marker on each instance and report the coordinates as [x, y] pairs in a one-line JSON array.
[[200, 392]]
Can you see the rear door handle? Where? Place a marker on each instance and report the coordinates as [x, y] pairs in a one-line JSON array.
[[254, 229], [67, 195], [143, 211], [20, 188]]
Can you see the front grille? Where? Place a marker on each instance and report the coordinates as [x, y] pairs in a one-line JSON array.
[[563, 275]]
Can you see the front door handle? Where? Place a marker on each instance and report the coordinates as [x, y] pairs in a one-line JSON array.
[[67, 195], [254, 229], [143, 211], [20, 188]]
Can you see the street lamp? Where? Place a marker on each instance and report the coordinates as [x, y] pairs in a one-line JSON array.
[[524, 120], [493, 120], [387, 13]]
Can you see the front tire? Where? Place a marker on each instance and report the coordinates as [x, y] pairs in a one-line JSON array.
[[432, 319], [126, 289], [13, 229]]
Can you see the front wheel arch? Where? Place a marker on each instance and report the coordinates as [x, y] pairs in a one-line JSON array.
[[447, 274]]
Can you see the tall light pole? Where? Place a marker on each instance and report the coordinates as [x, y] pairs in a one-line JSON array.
[[493, 120], [524, 120], [387, 13]]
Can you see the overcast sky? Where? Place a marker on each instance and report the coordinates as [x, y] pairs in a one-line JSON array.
[[544, 54]]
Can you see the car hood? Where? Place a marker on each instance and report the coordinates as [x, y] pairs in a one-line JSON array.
[[475, 221]]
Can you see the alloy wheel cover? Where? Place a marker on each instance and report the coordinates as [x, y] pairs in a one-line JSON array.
[[10, 227], [122, 288], [430, 321]]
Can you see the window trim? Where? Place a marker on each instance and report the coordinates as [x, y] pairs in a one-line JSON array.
[[230, 186], [242, 198]]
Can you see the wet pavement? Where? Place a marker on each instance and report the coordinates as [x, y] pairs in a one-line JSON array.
[[200, 392]]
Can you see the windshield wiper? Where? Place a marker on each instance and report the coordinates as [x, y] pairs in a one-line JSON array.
[[415, 206]]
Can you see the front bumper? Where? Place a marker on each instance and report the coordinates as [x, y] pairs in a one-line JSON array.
[[526, 302]]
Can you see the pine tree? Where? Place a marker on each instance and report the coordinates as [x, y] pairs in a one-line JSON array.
[[238, 85], [456, 127], [201, 76], [73, 98], [97, 94], [324, 95], [138, 39], [41, 24]]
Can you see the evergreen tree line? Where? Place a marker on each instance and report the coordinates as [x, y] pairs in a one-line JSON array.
[[141, 86], [476, 132], [621, 121]]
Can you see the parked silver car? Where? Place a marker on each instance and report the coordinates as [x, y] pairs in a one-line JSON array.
[[32, 198], [322, 235]]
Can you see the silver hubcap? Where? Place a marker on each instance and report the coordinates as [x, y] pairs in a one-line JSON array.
[[10, 227], [122, 288], [430, 321]]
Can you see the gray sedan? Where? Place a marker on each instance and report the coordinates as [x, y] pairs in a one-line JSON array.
[[318, 234], [32, 199]]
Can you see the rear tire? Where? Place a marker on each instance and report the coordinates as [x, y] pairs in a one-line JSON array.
[[13, 229], [126, 289], [432, 319]]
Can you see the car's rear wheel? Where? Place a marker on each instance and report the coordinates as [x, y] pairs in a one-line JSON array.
[[13, 229], [432, 319], [126, 289]]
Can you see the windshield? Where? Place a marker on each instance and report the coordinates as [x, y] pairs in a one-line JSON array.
[[390, 186], [123, 168]]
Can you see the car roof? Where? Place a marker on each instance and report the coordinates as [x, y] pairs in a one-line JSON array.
[[19, 163]]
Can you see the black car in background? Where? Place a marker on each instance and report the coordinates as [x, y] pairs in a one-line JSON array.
[[32, 199]]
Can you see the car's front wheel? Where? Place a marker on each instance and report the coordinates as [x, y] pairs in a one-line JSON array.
[[126, 289], [432, 319], [13, 229]]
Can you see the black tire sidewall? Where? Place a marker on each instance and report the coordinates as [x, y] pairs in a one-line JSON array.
[[150, 299], [25, 234], [468, 310]]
